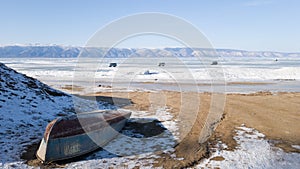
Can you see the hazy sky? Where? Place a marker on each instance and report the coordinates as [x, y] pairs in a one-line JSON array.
[[272, 25]]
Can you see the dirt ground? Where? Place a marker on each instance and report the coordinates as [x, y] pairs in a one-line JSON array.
[[276, 115]]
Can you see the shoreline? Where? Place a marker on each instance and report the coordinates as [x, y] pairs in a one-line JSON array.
[[273, 114], [238, 87]]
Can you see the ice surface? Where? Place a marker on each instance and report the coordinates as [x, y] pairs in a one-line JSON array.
[[284, 73]]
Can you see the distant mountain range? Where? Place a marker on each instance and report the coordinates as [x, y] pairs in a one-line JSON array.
[[71, 52]]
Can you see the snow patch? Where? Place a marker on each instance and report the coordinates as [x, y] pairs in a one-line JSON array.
[[253, 152], [296, 146]]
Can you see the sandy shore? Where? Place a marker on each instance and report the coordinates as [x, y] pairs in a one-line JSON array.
[[276, 115]]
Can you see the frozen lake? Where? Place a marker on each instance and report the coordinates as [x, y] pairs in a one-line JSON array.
[[231, 74]]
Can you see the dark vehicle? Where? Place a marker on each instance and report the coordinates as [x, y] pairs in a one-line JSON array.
[[214, 63], [161, 64], [113, 65]]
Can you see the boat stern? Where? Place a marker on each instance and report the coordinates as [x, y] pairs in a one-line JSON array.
[[41, 153]]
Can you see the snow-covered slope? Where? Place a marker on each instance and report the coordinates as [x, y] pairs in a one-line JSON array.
[[26, 107], [55, 51]]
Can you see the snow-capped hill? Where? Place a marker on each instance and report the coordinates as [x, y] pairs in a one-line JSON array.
[[55, 51], [26, 107], [242, 53], [39, 51]]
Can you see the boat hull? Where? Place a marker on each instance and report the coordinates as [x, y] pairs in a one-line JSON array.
[[61, 148]]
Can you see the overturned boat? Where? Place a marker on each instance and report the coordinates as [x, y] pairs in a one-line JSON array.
[[75, 135]]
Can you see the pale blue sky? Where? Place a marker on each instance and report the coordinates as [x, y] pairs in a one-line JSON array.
[[269, 25]]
